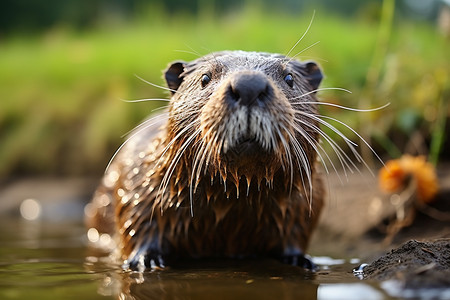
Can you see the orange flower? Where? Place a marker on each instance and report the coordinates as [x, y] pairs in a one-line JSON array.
[[394, 175]]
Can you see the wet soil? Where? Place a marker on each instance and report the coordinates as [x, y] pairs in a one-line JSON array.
[[415, 264]]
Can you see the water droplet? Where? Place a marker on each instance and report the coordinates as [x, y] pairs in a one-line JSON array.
[[354, 261], [125, 199], [359, 271], [93, 235], [30, 209], [89, 210], [111, 179], [105, 239], [104, 200], [127, 224]]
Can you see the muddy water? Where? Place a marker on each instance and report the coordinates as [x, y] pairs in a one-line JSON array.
[[43, 259]]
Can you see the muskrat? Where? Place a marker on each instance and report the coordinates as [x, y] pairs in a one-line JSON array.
[[228, 171]]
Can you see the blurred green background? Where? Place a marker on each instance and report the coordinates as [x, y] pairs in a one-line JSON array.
[[66, 65]]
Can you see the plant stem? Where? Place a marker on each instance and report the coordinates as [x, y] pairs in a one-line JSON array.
[[373, 74]]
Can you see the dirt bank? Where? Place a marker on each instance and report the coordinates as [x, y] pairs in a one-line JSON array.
[[414, 264]]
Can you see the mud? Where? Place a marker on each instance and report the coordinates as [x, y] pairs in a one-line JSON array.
[[415, 265]]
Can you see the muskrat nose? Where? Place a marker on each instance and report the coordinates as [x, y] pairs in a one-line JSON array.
[[249, 88]]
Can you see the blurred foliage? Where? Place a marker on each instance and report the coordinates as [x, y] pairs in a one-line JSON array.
[[60, 98], [35, 15]]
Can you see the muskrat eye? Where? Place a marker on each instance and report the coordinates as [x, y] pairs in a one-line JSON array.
[[289, 80], [205, 80]]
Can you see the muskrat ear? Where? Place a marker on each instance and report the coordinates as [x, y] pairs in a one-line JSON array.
[[312, 73], [173, 75]]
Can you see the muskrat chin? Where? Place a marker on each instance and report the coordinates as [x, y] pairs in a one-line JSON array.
[[246, 146]]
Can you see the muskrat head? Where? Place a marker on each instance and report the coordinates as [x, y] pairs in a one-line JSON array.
[[245, 114]]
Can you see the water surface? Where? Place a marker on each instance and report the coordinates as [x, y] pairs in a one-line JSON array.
[[50, 259]]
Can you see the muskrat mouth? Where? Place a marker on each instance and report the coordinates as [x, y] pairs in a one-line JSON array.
[[246, 146]]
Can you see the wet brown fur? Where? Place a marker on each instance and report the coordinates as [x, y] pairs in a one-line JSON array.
[[172, 192]]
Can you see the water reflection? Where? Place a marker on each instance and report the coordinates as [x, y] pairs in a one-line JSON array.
[[214, 280], [30, 209], [236, 280], [349, 291]]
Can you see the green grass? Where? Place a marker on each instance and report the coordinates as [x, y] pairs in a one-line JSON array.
[[60, 107]]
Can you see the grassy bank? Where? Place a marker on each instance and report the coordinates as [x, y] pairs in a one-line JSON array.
[[60, 107]]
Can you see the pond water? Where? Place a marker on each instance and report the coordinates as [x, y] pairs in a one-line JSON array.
[[47, 259], [44, 254]]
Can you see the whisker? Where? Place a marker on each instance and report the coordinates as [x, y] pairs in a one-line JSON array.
[[169, 172], [287, 151], [149, 120], [312, 58], [302, 160], [145, 100], [340, 153], [196, 164], [141, 128], [193, 52], [358, 135], [305, 49], [289, 157], [347, 108], [162, 108], [206, 149], [334, 129], [315, 145], [169, 144], [218, 146], [304, 34], [159, 86], [318, 90], [185, 110], [155, 85], [349, 142]]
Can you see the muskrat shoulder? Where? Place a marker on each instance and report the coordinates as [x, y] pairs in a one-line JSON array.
[[228, 171]]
